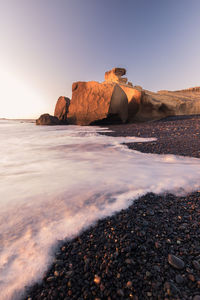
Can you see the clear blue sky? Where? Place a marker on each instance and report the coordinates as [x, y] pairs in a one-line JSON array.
[[48, 44]]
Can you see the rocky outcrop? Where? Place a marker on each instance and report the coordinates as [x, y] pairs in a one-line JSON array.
[[92, 101], [112, 100], [117, 100], [61, 108], [47, 119], [158, 105]]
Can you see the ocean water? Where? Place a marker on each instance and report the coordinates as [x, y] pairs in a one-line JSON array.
[[56, 181]]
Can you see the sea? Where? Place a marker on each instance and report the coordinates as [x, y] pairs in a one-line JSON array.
[[56, 181]]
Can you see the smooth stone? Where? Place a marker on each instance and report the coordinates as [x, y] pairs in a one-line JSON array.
[[179, 279], [129, 284], [51, 278], [97, 279], [120, 293], [175, 262], [196, 265], [171, 289]]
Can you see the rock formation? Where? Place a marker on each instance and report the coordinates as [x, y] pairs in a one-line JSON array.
[[47, 119], [92, 101], [167, 103], [117, 100], [115, 75], [112, 100], [61, 108]]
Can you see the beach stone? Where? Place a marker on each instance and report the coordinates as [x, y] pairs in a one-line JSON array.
[[191, 277], [50, 279], [157, 245], [47, 119], [196, 265], [171, 289], [129, 284], [97, 279], [176, 262], [197, 297], [120, 292], [56, 273], [61, 108], [69, 274], [179, 279]]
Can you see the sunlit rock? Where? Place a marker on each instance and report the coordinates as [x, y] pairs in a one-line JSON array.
[[116, 100], [92, 101], [112, 101], [115, 75], [61, 108]]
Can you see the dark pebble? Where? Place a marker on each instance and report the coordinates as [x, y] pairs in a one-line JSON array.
[[196, 264], [175, 262], [179, 279]]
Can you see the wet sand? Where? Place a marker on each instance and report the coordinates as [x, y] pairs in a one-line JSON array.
[[150, 250]]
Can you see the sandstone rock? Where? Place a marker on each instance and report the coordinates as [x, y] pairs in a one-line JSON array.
[[133, 93], [167, 103], [47, 119], [134, 99], [93, 101], [115, 75], [61, 108], [115, 100]]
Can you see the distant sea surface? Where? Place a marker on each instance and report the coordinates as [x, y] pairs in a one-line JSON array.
[[56, 181]]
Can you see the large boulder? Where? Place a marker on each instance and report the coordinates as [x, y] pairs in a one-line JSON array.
[[47, 119], [61, 108], [92, 101]]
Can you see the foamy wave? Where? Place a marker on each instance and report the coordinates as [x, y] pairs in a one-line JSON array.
[[56, 181]]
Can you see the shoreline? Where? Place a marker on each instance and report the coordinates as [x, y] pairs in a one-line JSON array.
[[125, 256]]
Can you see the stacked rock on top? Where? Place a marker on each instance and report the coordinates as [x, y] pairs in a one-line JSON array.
[[115, 75]]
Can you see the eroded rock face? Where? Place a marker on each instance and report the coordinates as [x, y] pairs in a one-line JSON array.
[[118, 101], [167, 103], [115, 75], [133, 94], [61, 108], [47, 119], [92, 101]]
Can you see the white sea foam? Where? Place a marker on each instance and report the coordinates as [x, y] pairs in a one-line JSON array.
[[55, 181]]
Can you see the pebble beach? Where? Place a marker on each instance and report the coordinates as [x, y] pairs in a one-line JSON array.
[[150, 250]]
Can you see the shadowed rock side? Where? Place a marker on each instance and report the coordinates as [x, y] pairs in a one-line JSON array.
[[134, 97], [61, 108], [93, 101]]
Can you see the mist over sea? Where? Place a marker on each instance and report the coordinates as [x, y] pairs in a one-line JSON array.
[[56, 181]]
